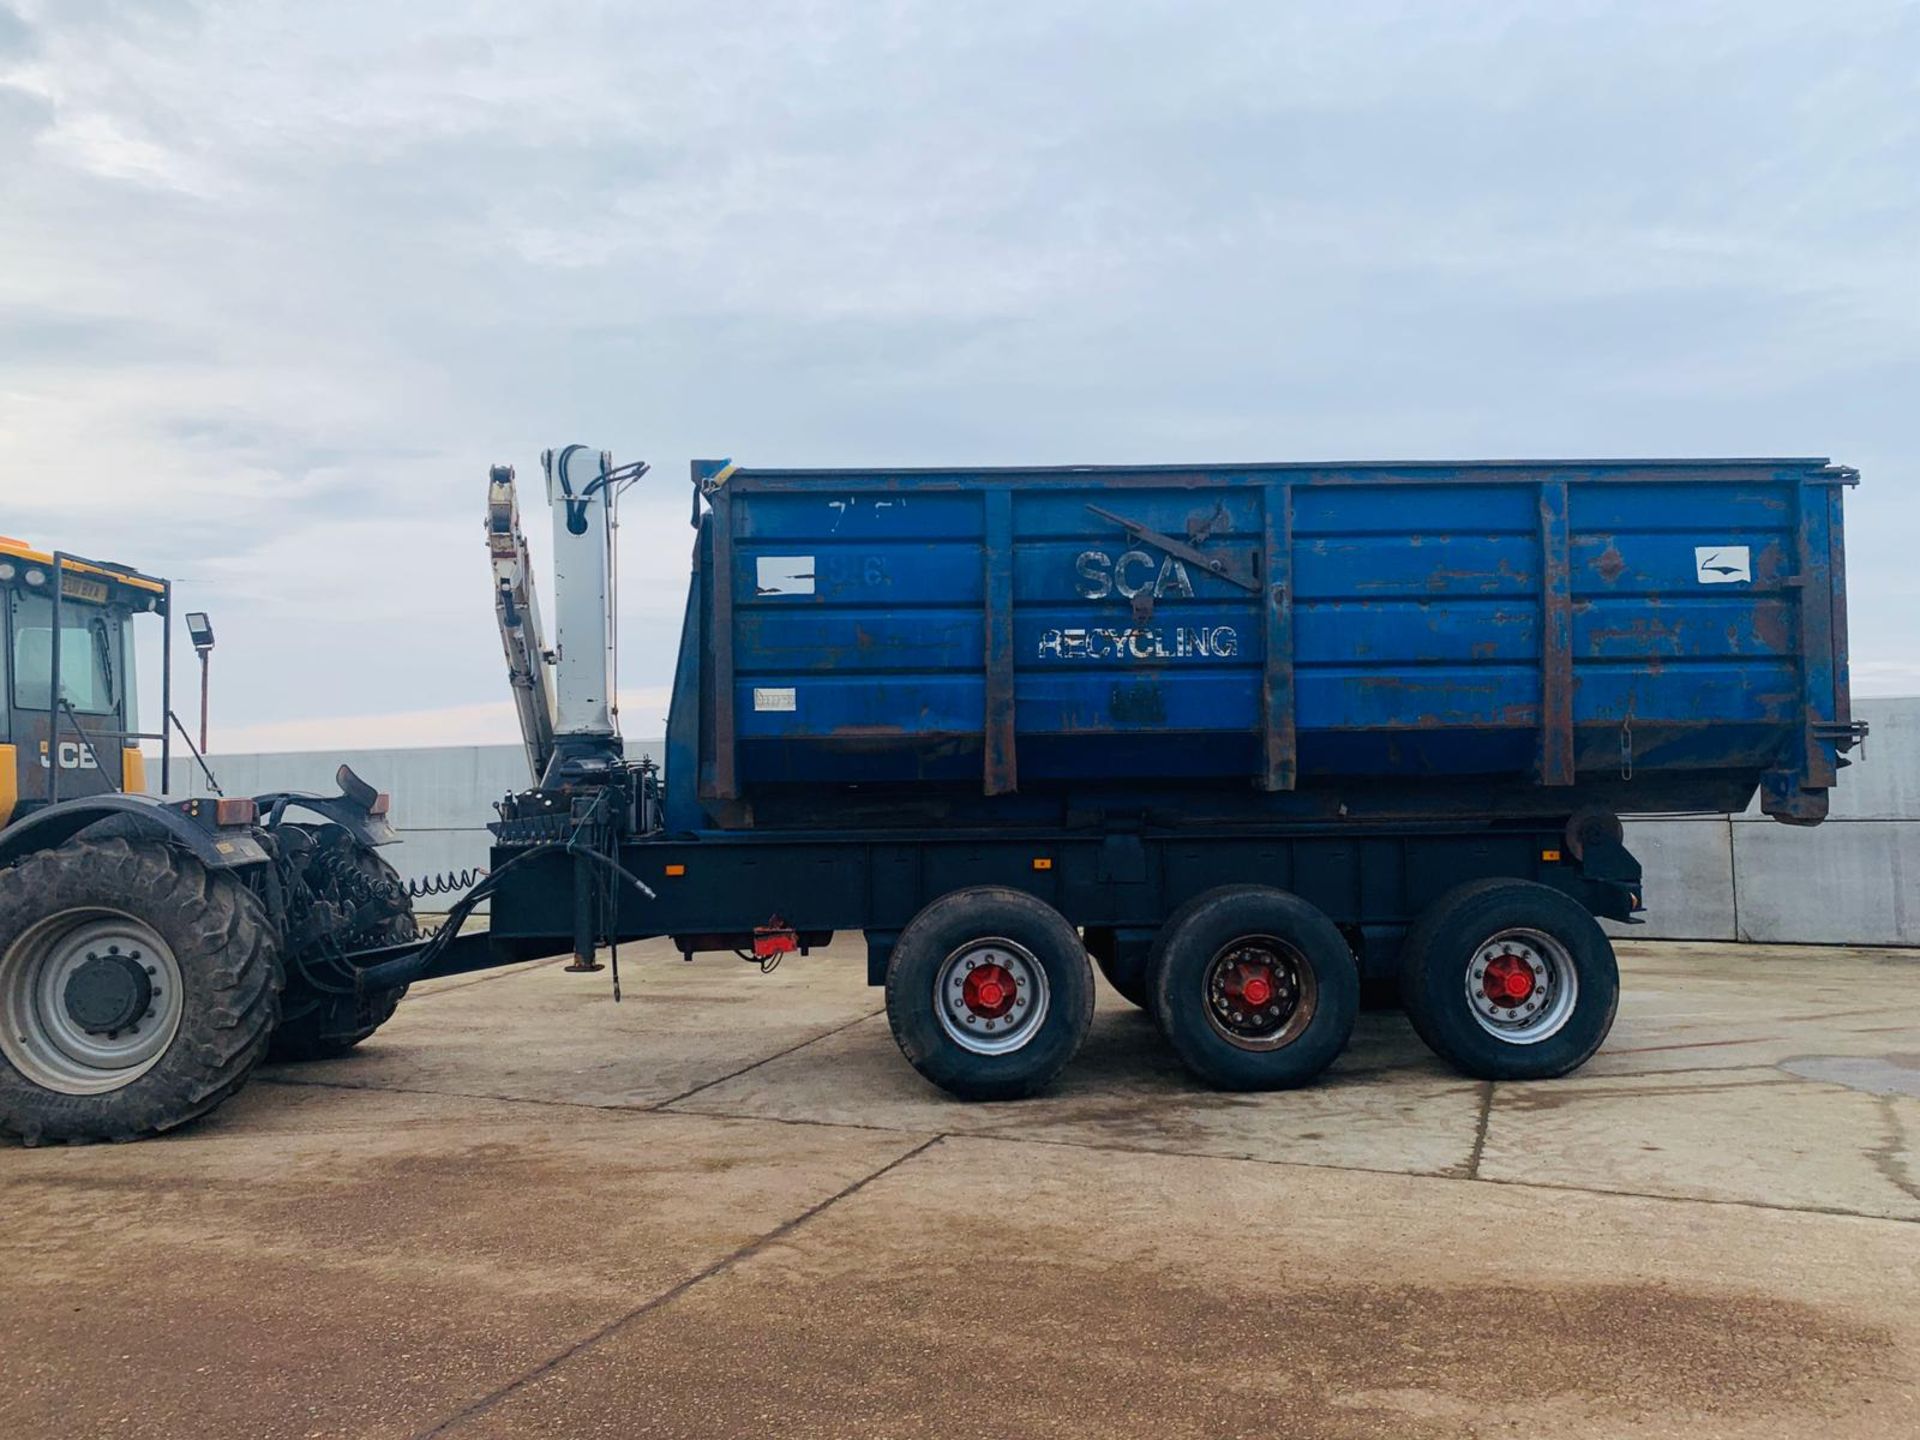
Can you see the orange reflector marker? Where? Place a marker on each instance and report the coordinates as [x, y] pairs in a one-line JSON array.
[[676, 869], [234, 812], [1552, 855], [1041, 862]]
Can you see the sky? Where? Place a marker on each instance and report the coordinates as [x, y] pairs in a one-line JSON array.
[[279, 281]]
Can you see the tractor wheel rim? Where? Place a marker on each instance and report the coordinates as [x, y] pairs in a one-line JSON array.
[[90, 999], [1259, 993], [991, 996], [1521, 986]]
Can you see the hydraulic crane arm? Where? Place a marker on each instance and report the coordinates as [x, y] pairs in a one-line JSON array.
[[517, 607]]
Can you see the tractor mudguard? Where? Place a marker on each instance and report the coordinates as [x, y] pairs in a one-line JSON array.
[[368, 830], [218, 849], [358, 809]]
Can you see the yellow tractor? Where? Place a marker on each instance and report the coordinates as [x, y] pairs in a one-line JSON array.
[[153, 949]]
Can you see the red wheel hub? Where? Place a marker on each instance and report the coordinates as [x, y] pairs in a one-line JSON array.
[[1250, 984], [989, 991], [1509, 981]]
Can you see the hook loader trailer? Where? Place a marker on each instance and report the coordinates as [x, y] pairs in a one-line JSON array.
[[1239, 737]]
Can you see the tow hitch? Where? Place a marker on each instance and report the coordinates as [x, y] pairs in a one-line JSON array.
[[772, 940]]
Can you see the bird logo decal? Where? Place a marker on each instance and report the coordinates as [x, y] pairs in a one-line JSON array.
[[1722, 564]]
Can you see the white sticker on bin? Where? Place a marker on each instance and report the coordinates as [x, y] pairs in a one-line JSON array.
[[784, 575], [780, 698], [1722, 564]]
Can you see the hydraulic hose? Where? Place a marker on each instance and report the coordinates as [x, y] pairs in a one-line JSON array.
[[409, 968]]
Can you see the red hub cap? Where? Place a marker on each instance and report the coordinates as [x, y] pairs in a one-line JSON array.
[[1249, 984], [1509, 980], [1260, 993], [989, 991]]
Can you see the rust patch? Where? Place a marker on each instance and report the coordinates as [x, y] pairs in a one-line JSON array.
[[1770, 564], [1610, 565], [1203, 524], [1770, 627]]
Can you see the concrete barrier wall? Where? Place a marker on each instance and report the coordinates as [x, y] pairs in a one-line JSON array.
[[442, 795], [1850, 881]]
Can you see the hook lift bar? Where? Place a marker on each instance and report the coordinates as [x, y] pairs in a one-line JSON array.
[[585, 797]]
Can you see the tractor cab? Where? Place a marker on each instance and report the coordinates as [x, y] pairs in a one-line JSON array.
[[70, 717]]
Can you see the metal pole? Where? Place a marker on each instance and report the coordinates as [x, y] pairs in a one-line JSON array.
[[166, 685], [54, 683], [204, 654]]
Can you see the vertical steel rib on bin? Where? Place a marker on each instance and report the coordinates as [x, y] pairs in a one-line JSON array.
[[1280, 748], [1554, 762], [1813, 555], [1002, 776], [1837, 611], [725, 783]]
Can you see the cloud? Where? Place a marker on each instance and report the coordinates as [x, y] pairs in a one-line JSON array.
[[37, 339], [16, 36], [278, 282]]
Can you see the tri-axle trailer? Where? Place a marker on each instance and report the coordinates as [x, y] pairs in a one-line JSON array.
[[1241, 737], [1245, 735]]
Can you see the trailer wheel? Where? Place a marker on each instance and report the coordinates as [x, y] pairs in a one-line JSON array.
[[989, 993], [1254, 988], [1127, 974], [320, 1024], [1510, 980], [137, 990]]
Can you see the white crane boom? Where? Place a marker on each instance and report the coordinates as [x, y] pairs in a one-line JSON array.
[[516, 606], [581, 492]]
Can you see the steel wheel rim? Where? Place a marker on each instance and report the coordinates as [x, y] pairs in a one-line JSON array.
[[1282, 1014], [971, 1013], [88, 968], [1544, 1009]]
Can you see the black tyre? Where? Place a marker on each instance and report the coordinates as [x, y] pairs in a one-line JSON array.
[[360, 902], [1509, 980], [1254, 988], [989, 993], [1126, 973], [138, 990]]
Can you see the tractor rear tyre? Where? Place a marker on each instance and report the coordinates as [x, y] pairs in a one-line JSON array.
[[138, 989], [320, 1025]]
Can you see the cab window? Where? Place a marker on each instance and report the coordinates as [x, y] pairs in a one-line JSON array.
[[89, 656]]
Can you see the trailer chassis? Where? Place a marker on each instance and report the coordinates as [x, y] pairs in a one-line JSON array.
[[713, 892]]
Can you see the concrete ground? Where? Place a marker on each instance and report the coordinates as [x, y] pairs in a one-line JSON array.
[[727, 1207]]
